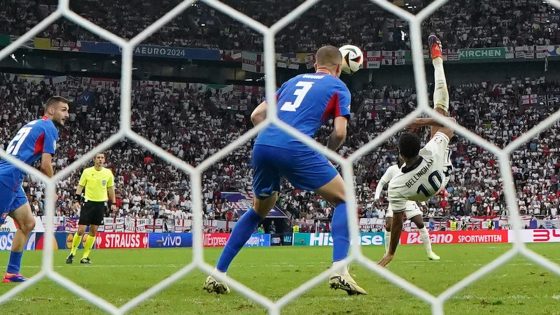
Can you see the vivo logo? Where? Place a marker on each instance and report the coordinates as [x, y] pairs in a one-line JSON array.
[[171, 241]]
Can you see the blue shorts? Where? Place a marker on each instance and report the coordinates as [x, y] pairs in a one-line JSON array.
[[12, 195], [307, 170]]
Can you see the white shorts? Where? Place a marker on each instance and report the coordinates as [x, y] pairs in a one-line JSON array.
[[410, 211]]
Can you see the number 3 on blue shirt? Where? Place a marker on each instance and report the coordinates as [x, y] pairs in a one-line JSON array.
[[304, 87]]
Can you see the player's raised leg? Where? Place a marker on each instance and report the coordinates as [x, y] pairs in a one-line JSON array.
[[25, 224], [441, 94], [333, 192]]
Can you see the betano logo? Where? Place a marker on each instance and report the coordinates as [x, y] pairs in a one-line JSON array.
[[443, 238]]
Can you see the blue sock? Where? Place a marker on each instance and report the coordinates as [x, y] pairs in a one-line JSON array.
[[242, 231], [340, 233], [15, 262]]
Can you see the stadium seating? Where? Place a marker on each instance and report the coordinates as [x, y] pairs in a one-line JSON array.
[[179, 120], [465, 24]]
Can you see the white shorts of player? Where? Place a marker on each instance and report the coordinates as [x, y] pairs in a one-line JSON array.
[[410, 211]]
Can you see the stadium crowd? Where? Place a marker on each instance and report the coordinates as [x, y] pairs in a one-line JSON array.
[[499, 112], [194, 121], [461, 24]]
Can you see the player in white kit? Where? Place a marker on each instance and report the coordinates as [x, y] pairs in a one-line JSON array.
[[424, 171], [412, 212]]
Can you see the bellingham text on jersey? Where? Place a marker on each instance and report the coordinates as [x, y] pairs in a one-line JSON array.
[[420, 173]]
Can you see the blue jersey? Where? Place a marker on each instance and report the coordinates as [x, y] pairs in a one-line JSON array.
[[305, 102], [31, 141]]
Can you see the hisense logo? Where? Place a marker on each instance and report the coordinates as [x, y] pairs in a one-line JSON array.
[[325, 239], [320, 239]]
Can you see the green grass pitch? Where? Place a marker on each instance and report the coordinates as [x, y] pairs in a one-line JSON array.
[[519, 287]]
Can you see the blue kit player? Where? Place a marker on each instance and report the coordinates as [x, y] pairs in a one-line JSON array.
[[305, 102], [34, 141]]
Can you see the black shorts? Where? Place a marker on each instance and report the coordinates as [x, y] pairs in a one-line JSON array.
[[92, 213]]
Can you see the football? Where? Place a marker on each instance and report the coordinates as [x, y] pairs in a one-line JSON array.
[[352, 58]]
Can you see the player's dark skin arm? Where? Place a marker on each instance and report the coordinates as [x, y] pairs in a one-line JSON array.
[[422, 122], [338, 135], [436, 126], [396, 229]]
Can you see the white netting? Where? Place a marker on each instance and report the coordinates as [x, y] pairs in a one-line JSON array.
[[356, 255]]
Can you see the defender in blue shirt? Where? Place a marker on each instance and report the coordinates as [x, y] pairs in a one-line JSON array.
[[34, 141], [305, 102]]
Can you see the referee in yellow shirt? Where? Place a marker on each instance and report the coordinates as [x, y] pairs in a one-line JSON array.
[[98, 182]]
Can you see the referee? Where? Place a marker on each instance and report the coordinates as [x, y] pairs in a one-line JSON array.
[[98, 182]]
